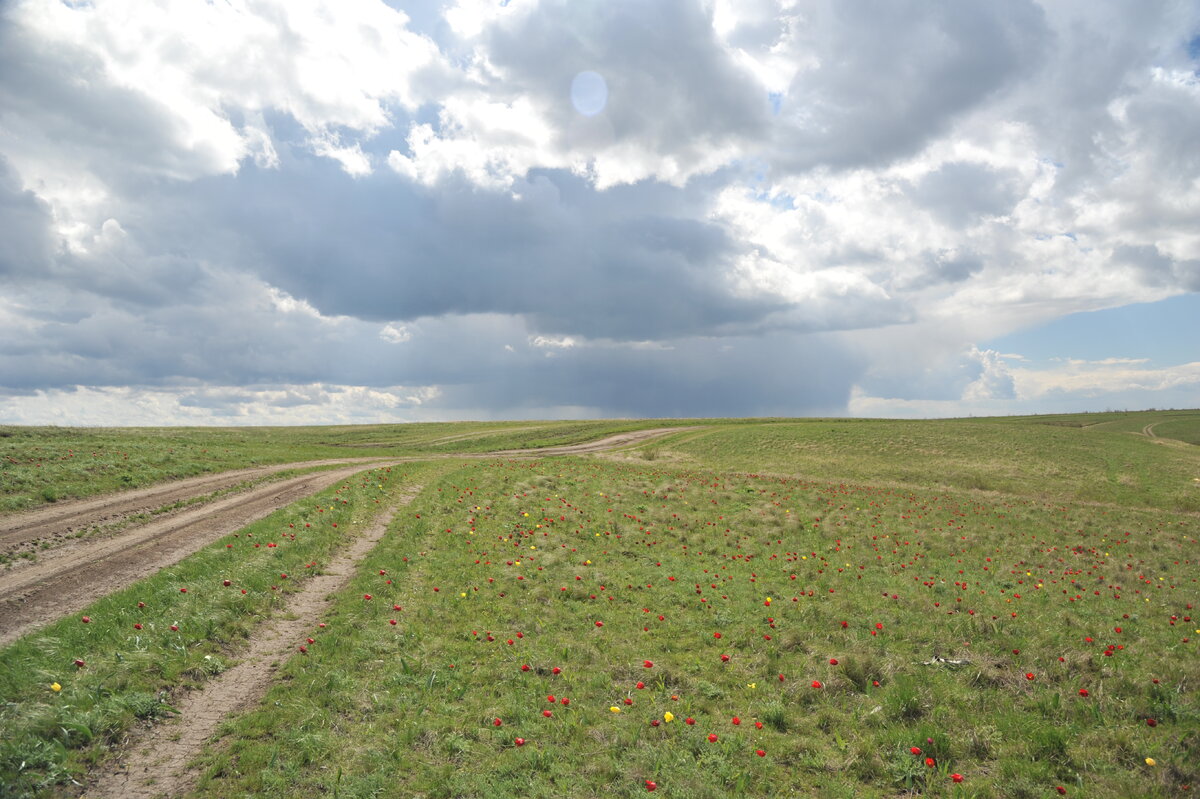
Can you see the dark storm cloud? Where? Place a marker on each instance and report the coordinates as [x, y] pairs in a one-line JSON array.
[[26, 243], [892, 75], [1158, 268], [670, 87], [61, 99], [381, 249], [784, 375], [961, 194]]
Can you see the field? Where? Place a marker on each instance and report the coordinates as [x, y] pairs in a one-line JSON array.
[[819, 607]]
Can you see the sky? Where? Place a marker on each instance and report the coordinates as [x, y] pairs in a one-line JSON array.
[[351, 211]]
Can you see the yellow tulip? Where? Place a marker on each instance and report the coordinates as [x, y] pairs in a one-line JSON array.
[[1151, 761], [668, 717], [56, 687], [615, 709]]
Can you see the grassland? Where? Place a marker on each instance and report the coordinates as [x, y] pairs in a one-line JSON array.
[[40, 465], [1015, 598]]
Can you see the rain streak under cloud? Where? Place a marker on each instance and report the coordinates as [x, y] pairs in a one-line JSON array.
[[280, 212]]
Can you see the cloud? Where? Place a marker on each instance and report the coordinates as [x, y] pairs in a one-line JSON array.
[[25, 219], [880, 81], [234, 210]]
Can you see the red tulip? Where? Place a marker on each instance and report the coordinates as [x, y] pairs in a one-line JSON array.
[[651, 785], [712, 737], [519, 741], [760, 753]]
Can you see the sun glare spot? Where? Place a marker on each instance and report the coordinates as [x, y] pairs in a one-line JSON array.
[[589, 93]]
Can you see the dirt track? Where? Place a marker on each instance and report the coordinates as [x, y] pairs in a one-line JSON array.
[[65, 579], [69, 578], [154, 761], [62, 519]]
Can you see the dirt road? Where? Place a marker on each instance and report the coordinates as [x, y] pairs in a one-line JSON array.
[[61, 520], [155, 760], [73, 575]]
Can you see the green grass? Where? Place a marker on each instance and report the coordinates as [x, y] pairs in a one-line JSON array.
[[1018, 545], [42, 465], [1025, 457], [50, 737], [376, 707]]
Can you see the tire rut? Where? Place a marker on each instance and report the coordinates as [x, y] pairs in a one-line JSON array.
[[65, 581], [155, 760], [68, 578], [66, 517]]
